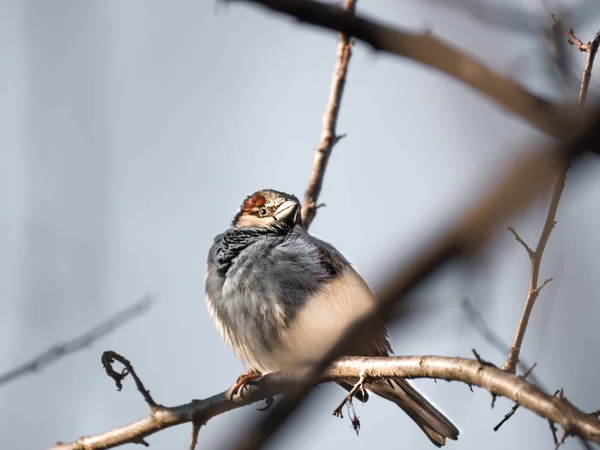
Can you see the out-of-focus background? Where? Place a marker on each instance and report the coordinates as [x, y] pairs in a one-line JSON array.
[[131, 131]]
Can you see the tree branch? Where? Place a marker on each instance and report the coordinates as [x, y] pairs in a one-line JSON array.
[[59, 351], [591, 48], [329, 137], [555, 409], [551, 119]]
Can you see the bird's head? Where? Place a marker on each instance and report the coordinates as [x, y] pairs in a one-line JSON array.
[[268, 209]]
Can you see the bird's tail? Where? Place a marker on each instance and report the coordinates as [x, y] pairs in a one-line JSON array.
[[433, 423]]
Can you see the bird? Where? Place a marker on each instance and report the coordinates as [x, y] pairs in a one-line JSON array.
[[280, 296]]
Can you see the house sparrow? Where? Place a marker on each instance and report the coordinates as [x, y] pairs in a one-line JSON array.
[[281, 297]]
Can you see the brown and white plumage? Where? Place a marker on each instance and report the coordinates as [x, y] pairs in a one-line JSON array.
[[280, 297]]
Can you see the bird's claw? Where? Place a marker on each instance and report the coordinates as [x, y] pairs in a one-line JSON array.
[[268, 403], [243, 381]]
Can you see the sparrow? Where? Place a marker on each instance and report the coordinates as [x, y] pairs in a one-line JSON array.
[[280, 297]]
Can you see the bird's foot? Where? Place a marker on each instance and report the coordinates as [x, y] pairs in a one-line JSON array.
[[243, 381]]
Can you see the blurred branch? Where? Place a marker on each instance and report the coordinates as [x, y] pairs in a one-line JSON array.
[[60, 351], [555, 409], [554, 120], [329, 136], [591, 48]]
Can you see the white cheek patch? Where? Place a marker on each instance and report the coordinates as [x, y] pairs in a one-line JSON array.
[[253, 221]]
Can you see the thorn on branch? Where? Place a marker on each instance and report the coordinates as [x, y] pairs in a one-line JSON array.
[[108, 358], [482, 361], [530, 252], [339, 138], [141, 441], [508, 415], [528, 371], [560, 393], [539, 288]]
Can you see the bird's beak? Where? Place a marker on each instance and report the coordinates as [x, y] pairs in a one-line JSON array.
[[287, 212]]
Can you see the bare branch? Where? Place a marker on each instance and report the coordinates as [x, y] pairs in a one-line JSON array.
[[536, 258], [556, 409], [426, 49], [60, 351], [513, 357], [329, 136]]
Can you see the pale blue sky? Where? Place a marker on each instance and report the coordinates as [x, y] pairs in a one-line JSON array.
[[131, 131]]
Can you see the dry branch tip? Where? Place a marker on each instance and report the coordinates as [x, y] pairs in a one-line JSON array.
[[530, 252], [108, 358]]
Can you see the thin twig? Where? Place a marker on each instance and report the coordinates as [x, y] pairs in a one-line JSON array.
[[359, 385], [329, 136], [555, 409], [60, 351], [195, 432], [508, 415], [554, 432], [561, 441], [560, 27], [530, 252], [536, 257], [513, 410]]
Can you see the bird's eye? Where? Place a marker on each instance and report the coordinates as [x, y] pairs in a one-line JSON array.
[[263, 212]]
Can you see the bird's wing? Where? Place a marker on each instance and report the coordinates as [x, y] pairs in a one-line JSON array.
[[328, 314]]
